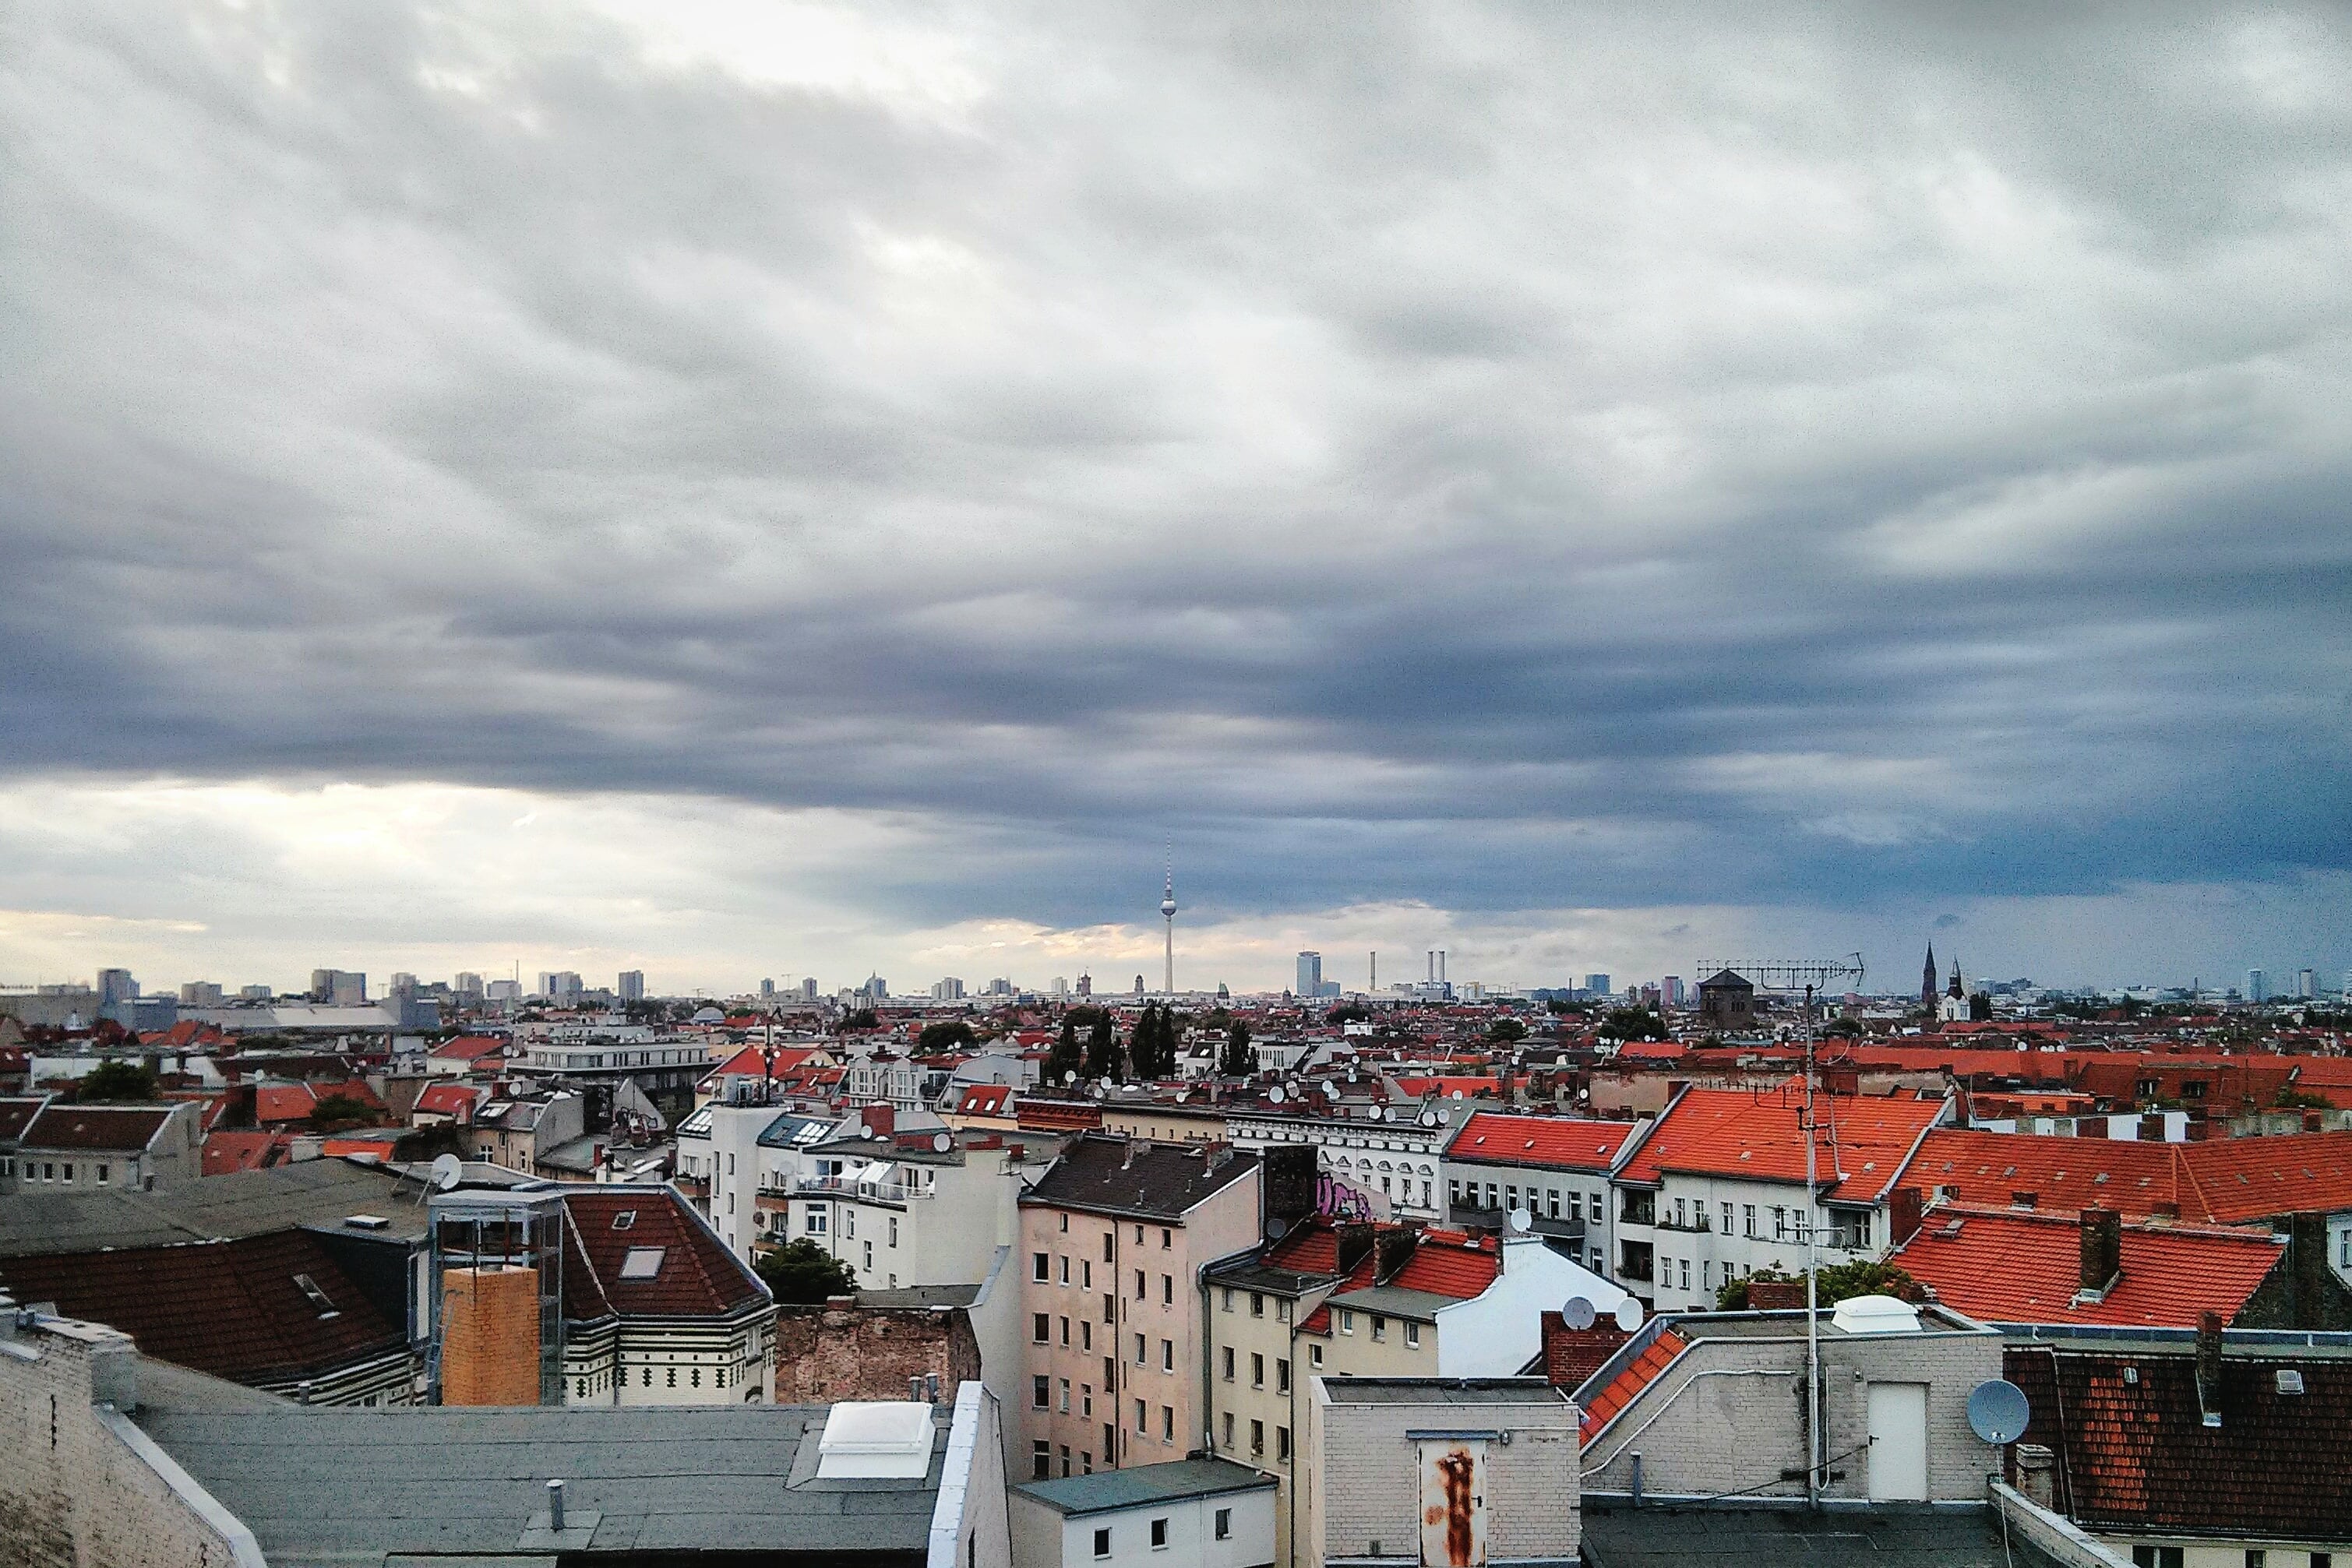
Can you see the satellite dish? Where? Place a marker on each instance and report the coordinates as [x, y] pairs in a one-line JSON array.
[[1097, 1091], [1277, 1227], [1429, 1118], [1997, 1411], [1577, 1314], [1629, 1314], [1520, 1221], [448, 1170], [1456, 1095], [1330, 1090], [941, 1142], [1380, 1114], [1068, 1079], [1274, 1095]]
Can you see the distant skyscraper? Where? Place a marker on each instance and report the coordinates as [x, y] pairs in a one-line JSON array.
[[1310, 975], [767, 990], [1061, 987], [808, 988], [2307, 984], [1086, 984], [2258, 985], [207, 994], [503, 991], [468, 986], [255, 993], [633, 986], [1670, 991], [115, 985], [338, 987], [1597, 983], [949, 989]]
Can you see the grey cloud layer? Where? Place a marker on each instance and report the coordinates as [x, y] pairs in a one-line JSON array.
[[1502, 456]]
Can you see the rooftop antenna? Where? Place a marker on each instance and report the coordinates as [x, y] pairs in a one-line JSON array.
[[1168, 912]]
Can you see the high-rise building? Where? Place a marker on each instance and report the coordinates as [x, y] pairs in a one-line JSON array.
[[1310, 975], [1670, 991], [115, 985], [1061, 987], [876, 988], [402, 981], [1086, 984], [503, 991], [2258, 985], [949, 989], [2307, 984], [207, 993], [768, 990], [633, 986], [338, 987], [560, 986], [255, 993], [1597, 983], [808, 988]]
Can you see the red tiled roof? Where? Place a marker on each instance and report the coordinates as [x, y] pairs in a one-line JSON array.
[[104, 1129], [984, 1100], [698, 1276], [283, 1102], [2223, 1181], [17, 1114], [380, 1145], [471, 1048], [1057, 1115], [1755, 1135], [226, 1152], [1559, 1143], [1445, 1267], [2004, 1266], [228, 1308], [749, 1063], [2239, 1179], [453, 1100], [1311, 1249], [1655, 1358]]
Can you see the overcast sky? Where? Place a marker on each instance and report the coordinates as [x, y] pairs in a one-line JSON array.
[[780, 490]]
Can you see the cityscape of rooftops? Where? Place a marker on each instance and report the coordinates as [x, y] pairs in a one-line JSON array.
[[1514, 707]]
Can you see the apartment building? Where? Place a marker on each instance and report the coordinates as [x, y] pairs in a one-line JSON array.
[[1715, 1190], [1114, 1241], [64, 1147], [1556, 1169], [1390, 1152], [930, 1207]]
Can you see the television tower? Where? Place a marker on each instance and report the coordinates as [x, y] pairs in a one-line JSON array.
[[1168, 912]]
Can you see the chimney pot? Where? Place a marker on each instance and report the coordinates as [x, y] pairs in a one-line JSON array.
[[555, 1507]]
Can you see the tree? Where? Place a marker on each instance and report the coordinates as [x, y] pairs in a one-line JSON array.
[[1153, 1052], [805, 1273], [427, 1142], [1863, 1277], [336, 1112], [1068, 1060], [117, 1081], [1504, 1030], [1237, 1059], [863, 1018], [1102, 1049], [1842, 1029], [1632, 1023], [1349, 1012], [949, 1034]]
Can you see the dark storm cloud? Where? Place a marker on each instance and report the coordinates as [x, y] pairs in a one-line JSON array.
[[1502, 456]]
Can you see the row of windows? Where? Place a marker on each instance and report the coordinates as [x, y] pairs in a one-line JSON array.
[[1850, 1229], [61, 1172], [1258, 1304], [1041, 1271], [1379, 1329], [1281, 1368], [1257, 1438], [1547, 1204]]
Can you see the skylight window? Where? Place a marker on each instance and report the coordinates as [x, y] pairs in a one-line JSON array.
[[318, 1298], [643, 1262], [626, 1219]]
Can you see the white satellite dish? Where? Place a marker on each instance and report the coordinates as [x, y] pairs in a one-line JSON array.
[[1068, 1079], [1629, 1314], [448, 1170], [1380, 1114], [1330, 1090], [1274, 1095], [1429, 1118], [1456, 1095], [1577, 1314], [1520, 1221], [942, 1141]]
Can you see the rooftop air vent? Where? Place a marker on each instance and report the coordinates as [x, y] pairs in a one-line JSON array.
[[366, 1221], [876, 1438]]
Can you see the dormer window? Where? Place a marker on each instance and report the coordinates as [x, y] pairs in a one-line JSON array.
[[318, 1298], [625, 1219]]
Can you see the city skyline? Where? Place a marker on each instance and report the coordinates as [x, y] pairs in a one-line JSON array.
[[1583, 497]]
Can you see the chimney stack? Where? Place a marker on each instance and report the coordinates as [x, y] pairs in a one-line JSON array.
[[555, 1507], [2209, 1366], [2101, 1253], [1903, 1209]]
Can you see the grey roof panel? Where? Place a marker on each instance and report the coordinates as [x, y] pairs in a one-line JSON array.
[[1145, 1484], [321, 1193], [1881, 1536]]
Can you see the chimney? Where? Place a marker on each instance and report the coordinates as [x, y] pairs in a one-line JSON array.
[[881, 1121], [1396, 1249], [915, 1389], [2168, 1209], [1902, 1208], [1131, 1153], [555, 1507], [2307, 1256], [2151, 1127], [2209, 1366], [2037, 1473], [2102, 1254]]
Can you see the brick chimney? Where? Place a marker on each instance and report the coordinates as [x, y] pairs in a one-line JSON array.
[[1395, 1247], [2101, 1253], [2307, 1257], [881, 1121], [2209, 1366], [1903, 1209]]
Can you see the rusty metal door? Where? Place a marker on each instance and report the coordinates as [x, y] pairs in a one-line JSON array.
[[1453, 1502]]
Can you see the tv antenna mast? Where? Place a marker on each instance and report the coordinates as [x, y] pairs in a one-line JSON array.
[[1810, 976]]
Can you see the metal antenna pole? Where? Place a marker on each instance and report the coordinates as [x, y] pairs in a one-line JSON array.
[[1814, 1450]]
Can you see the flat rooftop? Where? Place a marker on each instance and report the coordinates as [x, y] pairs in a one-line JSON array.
[[1881, 1536], [1442, 1390], [1105, 1491]]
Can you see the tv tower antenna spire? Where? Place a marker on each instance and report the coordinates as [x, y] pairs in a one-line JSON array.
[[1168, 912]]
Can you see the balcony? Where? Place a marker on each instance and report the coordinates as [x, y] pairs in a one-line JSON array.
[[1478, 1216], [854, 1190]]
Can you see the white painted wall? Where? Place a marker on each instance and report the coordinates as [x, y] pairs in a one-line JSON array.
[[1046, 1539], [1496, 1333]]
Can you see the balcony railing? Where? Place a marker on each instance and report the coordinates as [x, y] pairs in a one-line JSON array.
[[850, 1188], [1468, 1214]]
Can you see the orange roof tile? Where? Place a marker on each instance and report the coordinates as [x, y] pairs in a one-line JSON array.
[[2004, 1266], [1559, 1143], [1656, 1358], [1755, 1136]]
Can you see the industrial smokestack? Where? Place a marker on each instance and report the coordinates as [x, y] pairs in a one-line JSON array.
[[1441, 966]]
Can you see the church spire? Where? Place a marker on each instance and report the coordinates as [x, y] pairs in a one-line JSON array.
[[1929, 981]]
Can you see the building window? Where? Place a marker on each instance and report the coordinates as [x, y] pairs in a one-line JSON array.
[[1281, 1375], [1167, 1290], [1779, 1223], [1224, 1524], [1282, 1308], [1039, 1331], [1226, 1303], [1110, 1241], [1412, 1336], [1040, 1460], [1347, 1323], [1282, 1443], [1159, 1535], [1726, 1219], [1142, 1350], [1167, 1239], [1066, 1268], [1257, 1437], [1379, 1327], [1064, 1405], [1313, 1356], [1086, 1334], [1142, 1285], [1085, 1398], [1066, 1332], [1167, 1355], [1258, 1304], [1747, 1217], [894, 1230], [1168, 1422], [1102, 1543], [1257, 1370], [1040, 1392], [103, 1170], [1228, 1354], [1229, 1431], [1041, 1268]]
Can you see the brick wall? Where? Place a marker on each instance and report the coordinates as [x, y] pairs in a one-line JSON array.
[[73, 1492], [489, 1346], [829, 1353]]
